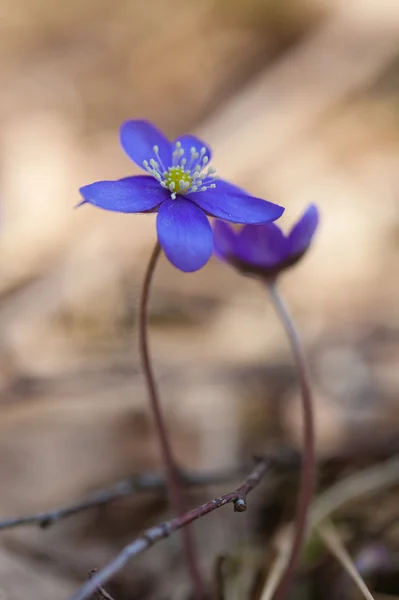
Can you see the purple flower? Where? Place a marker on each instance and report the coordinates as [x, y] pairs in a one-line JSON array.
[[264, 250], [182, 188]]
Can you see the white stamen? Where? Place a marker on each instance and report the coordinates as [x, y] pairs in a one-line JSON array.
[[176, 154], [156, 152], [184, 175], [193, 157]]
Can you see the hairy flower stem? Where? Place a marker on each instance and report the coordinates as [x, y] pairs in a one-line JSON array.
[[308, 463], [172, 473]]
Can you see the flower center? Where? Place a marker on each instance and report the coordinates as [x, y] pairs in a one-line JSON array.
[[184, 175], [177, 179]]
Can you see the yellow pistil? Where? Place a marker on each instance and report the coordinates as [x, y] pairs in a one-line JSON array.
[[185, 176], [177, 179]]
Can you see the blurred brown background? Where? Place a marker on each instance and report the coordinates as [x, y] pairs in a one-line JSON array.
[[299, 100]]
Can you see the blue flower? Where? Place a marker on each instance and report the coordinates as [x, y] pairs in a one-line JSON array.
[[182, 188], [264, 250]]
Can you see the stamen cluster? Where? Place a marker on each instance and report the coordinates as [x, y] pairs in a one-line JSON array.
[[183, 176]]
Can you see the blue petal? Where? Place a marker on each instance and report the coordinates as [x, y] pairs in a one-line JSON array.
[[261, 245], [190, 141], [227, 202], [224, 240], [138, 139], [302, 233], [185, 234], [128, 195]]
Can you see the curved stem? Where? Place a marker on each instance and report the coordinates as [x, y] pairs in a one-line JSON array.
[[172, 473], [308, 464]]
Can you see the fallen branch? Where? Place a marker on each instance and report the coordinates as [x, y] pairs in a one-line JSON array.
[[100, 593], [138, 483], [154, 534], [146, 482]]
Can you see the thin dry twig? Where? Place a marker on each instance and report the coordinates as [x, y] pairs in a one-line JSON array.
[[147, 482], [100, 593], [154, 534]]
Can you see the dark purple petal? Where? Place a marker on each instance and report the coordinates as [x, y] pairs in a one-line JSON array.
[[128, 195], [261, 245], [227, 202], [302, 233], [190, 141], [185, 234], [224, 240], [138, 139]]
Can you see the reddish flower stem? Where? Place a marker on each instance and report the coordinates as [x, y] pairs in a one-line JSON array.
[[308, 469], [172, 473]]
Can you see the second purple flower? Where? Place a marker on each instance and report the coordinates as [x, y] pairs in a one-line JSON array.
[[264, 250]]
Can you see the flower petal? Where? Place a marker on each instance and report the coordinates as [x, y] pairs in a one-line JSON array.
[[302, 233], [227, 202], [190, 141], [128, 195], [138, 139], [261, 245], [224, 240], [185, 234]]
